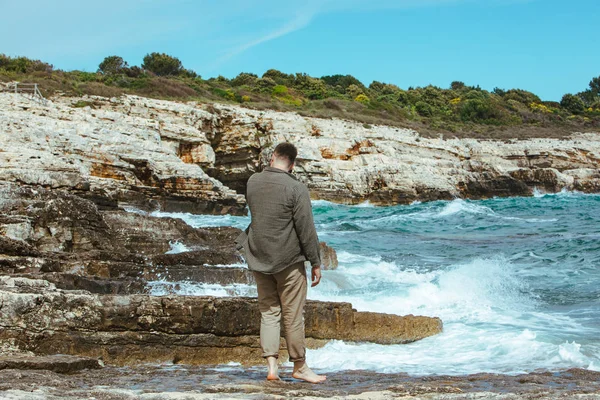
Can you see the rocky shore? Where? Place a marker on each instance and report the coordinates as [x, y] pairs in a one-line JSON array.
[[77, 319], [163, 382]]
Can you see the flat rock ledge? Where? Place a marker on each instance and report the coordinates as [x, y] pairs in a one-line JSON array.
[[61, 363], [163, 382], [129, 329]]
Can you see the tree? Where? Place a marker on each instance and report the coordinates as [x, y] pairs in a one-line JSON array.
[[592, 95], [595, 86], [572, 103], [499, 92], [588, 96], [112, 65], [162, 64], [457, 85]]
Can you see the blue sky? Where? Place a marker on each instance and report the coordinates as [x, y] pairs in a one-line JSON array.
[[546, 46]]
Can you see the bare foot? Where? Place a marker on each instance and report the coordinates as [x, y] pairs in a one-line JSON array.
[[306, 374], [273, 376], [273, 372]]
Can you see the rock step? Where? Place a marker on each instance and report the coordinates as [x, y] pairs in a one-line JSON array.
[[202, 329], [61, 363]]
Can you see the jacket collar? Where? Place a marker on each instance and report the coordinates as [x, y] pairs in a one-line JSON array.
[[279, 171]]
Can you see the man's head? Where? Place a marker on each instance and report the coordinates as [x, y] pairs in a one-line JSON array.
[[284, 156]]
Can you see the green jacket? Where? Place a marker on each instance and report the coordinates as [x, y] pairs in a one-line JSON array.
[[282, 231]]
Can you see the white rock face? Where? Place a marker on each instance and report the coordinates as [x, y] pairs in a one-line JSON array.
[[165, 149], [115, 152]]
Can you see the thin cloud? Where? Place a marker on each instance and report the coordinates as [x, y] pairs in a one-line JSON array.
[[312, 8], [300, 21]]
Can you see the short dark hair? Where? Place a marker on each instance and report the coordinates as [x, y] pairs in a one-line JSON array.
[[286, 150]]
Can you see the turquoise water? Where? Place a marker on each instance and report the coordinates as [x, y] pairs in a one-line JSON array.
[[516, 281]]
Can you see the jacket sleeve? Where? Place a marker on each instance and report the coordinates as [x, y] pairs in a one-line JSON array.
[[305, 226]]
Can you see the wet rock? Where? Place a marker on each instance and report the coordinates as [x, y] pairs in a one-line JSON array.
[[328, 256], [200, 273], [238, 382]]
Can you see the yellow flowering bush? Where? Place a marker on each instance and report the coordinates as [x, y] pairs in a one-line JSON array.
[[362, 98], [455, 101], [540, 108]]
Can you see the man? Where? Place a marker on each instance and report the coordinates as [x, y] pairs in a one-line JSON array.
[[280, 238]]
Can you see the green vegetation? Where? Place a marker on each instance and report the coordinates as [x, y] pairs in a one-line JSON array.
[[113, 65], [460, 110]]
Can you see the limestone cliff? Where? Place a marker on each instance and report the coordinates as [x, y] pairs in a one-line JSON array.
[[194, 157]]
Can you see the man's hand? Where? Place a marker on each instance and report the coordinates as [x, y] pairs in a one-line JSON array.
[[315, 275]]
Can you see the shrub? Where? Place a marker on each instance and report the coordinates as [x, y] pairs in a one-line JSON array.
[[572, 103], [265, 85], [314, 89], [341, 82], [482, 111], [244, 79], [353, 91], [476, 94], [23, 65], [362, 98], [521, 96], [402, 97], [377, 86], [333, 104], [227, 94], [112, 65], [83, 76], [540, 108], [423, 109], [162, 64], [188, 73], [279, 77], [280, 90], [133, 72]]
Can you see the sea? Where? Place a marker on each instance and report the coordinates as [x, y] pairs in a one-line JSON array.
[[516, 281]]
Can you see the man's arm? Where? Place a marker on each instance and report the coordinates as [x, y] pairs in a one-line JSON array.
[[305, 227]]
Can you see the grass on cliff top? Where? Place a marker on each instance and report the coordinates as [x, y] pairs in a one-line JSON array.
[[458, 111]]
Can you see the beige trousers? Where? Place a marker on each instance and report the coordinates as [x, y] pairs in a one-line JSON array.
[[282, 294]]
